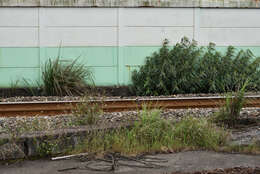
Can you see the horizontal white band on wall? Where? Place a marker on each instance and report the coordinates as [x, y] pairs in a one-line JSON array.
[[89, 17], [100, 36], [154, 36], [18, 37], [157, 17], [230, 36], [19, 17], [230, 18]]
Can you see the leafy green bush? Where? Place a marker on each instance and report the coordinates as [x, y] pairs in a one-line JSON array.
[[188, 68], [65, 79], [228, 72], [170, 71]]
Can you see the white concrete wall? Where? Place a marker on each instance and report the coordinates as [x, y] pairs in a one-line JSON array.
[[238, 27], [44, 27], [80, 26], [18, 27], [149, 27]]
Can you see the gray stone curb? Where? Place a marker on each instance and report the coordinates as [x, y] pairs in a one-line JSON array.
[[40, 143]]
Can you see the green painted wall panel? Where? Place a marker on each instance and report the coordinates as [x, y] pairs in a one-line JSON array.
[[105, 76], [110, 65], [133, 57], [19, 57], [11, 76], [136, 55], [90, 56]]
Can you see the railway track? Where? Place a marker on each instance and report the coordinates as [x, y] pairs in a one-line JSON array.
[[51, 108]]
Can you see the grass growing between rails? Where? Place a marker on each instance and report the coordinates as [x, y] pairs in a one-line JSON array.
[[86, 113], [152, 134]]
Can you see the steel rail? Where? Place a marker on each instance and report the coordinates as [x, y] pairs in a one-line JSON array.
[[50, 108]]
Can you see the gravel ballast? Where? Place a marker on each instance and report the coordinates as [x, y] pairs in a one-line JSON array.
[[98, 97]]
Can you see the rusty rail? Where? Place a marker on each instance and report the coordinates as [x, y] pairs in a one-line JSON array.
[[62, 107]]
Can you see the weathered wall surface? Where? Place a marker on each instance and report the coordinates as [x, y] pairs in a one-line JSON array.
[[112, 41], [132, 3]]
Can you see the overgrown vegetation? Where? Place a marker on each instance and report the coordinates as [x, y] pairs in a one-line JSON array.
[[86, 112], [46, 148], [154, 134], [199, 133], [60, 79], [229, 114], [188, 68], [150, 134]]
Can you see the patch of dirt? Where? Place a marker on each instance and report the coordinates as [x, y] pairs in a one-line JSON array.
[[245, 122], [246, 131], [36, 94], [35, 91], [242, 123]]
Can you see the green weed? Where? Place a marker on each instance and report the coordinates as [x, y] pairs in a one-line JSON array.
[[86, 113], [200, 133], [46, 148], [230, 112], [13, 86], [65, 79]]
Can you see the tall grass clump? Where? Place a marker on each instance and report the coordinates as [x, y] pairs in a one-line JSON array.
[[229, 114], [188, 68], [60, 79], [150, 133], [200, 133]]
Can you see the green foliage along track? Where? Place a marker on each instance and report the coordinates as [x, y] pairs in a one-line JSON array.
[[188, 68]]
